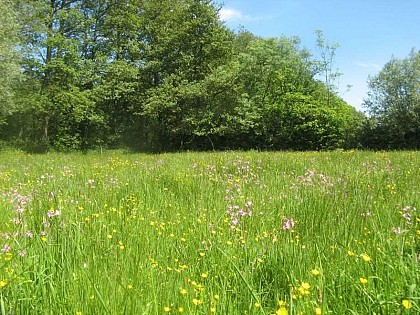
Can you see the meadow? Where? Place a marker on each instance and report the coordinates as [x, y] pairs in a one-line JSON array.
[[210, 233]]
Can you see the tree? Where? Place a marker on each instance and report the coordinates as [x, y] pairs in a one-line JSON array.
[[9, 61], [327, 52], [394, 102], [185, 46], [56, 107]]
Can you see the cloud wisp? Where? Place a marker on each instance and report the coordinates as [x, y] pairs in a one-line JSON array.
[[368, 65], [230, 14], [233, 15]]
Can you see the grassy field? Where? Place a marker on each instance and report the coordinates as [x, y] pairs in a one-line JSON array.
[[203, 233]]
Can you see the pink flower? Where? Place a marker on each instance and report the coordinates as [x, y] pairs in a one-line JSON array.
[[288, 224], [17, 220], [6, 248], [396, 230]]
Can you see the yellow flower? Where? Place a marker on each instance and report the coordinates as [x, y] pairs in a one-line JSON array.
[[216, 297], [197, 302], [167, 309], [2, 283], [180, 309], [350, 253], [282, 311], [315, 272], [257, 305], [318, 311], [204, 275], [129, 287], [212, 309], [78, 313], [363, 280], [183, 291], [306, 285], [366, 258], [407, 304]]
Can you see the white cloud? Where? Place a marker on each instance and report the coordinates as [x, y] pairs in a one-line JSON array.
[[368, 65], [230, 14]]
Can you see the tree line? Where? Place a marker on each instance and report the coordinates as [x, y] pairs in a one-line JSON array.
[[169, 75]]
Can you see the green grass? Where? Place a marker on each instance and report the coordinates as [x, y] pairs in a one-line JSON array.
[[204, 233]]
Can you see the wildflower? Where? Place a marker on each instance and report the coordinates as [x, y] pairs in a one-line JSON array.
[[78, 313], [2, 283], [6, 248], [129, 287], [180, 309], [396, 230], [350, 253], [216, 297], [257, 305], [197, 302], [306, 285], [315, 272], [17, 220], [318, 311], [363, 280], [282, 311], [204, 275], [288, 224], [212, 309], [407, 217], [366, 258], [407, 304], [53, 213], [167, 309], [183, 291]]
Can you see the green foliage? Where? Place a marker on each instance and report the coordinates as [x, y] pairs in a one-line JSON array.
[[225, 233], [394, 103], [9, 67], [166, 75]]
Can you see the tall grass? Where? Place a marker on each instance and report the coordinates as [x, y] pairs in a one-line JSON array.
[[201, 233]]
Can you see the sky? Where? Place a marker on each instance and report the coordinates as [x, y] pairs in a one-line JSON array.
[[369, 32]]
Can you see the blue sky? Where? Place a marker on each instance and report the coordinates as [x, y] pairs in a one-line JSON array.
[[369, 32]]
